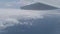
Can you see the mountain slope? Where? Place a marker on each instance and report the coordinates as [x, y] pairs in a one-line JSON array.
[[38, 6]]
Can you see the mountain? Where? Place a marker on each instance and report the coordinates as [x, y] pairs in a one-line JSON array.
[[38, 6]]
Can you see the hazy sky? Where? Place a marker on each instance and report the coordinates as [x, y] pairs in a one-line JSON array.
[[18, 3], [13, 15]]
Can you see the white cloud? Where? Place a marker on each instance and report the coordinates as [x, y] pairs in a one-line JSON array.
[[10, 17]]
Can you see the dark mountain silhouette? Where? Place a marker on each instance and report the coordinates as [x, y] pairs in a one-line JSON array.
[[38, 6]]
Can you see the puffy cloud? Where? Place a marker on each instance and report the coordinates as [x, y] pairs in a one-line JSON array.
[[13, 17], [9, 17]]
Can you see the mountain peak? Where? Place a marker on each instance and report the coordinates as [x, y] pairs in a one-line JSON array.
[[38, 6]]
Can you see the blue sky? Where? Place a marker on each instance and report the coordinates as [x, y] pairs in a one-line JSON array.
[[19, 3]]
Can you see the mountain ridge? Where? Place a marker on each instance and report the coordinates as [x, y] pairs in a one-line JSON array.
[[38, 6]]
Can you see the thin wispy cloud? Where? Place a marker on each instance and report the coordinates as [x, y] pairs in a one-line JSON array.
[[19, 3]]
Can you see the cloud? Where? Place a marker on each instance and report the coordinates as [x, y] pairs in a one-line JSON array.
[[13, 17], [19, 3], [10, 17]]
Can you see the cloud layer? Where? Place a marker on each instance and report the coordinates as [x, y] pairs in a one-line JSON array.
[[13, 17], [9, 17]]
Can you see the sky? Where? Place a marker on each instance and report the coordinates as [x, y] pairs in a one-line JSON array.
[[16, 4], [11, 15]]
